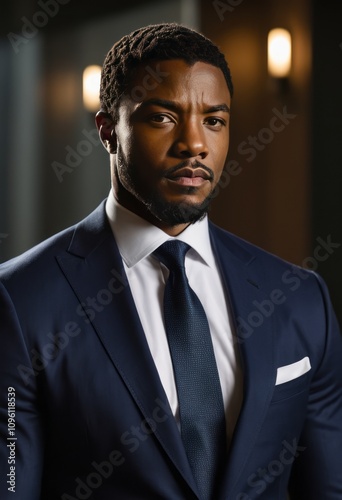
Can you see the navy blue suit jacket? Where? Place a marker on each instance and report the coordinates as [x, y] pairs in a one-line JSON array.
[[91, 417]]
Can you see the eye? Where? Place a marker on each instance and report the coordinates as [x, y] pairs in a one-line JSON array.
[[215, 123], [161, 119]]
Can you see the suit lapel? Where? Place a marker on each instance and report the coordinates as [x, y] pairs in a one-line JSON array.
[[255, 341], [93, 268]]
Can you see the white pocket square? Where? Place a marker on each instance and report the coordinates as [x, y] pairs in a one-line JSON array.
[[292, 371]]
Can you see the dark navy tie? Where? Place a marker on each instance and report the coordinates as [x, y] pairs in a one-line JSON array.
[[201, 409]]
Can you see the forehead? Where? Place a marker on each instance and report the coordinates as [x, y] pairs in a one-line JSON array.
[[175, 79]]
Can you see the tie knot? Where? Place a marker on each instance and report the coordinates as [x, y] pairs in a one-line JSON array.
[[172, 253]]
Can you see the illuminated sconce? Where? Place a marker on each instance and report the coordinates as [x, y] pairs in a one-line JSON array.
[[91, 88], [279, 52]]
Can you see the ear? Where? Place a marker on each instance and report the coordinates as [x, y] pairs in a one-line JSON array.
[[106, 127]]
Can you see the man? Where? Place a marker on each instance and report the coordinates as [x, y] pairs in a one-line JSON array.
[[98, 399]]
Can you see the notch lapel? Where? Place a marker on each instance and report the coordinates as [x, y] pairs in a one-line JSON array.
[[240, 276], [93, 265]]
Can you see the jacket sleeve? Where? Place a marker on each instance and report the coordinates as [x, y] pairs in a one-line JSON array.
[[317, 472], [21, 431]]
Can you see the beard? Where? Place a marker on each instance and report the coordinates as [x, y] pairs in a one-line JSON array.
[[178, 213], [167, 212]]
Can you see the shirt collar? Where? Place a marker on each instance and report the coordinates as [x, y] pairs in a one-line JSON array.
[[136, 238]]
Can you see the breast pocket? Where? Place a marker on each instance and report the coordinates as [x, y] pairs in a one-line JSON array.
[[291, 388]]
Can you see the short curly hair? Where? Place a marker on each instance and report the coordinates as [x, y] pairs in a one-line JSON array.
[[163, 41]]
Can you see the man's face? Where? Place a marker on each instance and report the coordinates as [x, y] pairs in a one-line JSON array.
[[172, 141]]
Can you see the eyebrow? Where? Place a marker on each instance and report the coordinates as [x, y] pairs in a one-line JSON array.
[[219, 107], [173, 106]]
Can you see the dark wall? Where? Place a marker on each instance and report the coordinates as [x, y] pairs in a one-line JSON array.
[[327, 140]]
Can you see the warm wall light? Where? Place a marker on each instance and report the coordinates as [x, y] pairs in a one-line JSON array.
[[91, 87], [279, 53]]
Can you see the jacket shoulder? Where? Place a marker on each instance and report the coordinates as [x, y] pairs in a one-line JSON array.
[[37, 255], [249, 252]]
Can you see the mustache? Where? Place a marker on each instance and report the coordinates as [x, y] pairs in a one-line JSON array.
[[190, 164]]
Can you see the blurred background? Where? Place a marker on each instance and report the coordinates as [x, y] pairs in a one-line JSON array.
[[283, 182]]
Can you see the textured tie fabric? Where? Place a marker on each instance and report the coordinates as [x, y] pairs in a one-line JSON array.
[[201, 409]]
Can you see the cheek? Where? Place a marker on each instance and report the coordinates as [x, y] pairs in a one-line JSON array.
[[124, 144], [148, 150]]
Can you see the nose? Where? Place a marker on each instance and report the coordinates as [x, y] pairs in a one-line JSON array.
[[191, 141]]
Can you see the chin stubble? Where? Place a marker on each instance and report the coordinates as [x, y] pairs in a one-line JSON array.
[[168, 213]]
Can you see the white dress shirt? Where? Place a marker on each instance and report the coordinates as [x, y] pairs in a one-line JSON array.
[[137, 239]]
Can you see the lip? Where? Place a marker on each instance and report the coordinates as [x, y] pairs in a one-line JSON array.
[[189, 176], [189, 181], [190, 173]]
